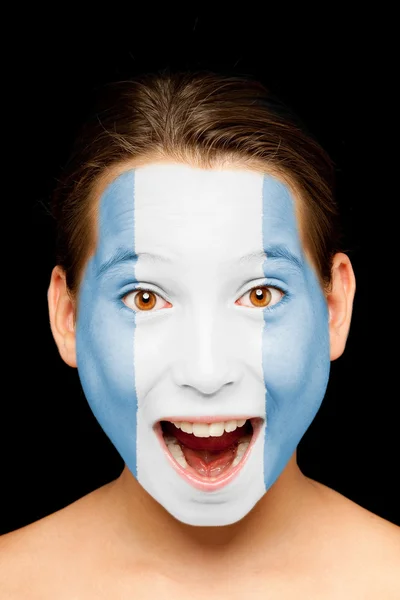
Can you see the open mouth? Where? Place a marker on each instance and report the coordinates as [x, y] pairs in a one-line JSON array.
[[209, 455]]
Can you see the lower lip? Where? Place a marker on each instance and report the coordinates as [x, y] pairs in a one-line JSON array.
[[203, 483]]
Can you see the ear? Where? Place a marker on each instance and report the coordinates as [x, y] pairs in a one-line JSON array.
[[340, 303], [62, 316]]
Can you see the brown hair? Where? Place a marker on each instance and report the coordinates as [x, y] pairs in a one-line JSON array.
[[204, 119]]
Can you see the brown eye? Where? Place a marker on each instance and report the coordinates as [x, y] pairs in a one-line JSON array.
[[260, 297], [144, 300], [263, 296]]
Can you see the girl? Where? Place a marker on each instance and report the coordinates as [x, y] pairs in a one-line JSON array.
[[201, 292]]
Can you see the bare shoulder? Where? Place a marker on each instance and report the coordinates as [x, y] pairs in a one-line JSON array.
[[20, 553], [37, 557], [368, 526], [348, 552], [364, 546]]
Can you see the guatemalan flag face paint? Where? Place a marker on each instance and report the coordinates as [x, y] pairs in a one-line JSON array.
[[231, 325]]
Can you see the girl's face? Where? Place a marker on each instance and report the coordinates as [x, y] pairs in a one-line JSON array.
[[202, 335]]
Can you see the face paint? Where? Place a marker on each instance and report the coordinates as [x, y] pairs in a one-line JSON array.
[[202, 242]]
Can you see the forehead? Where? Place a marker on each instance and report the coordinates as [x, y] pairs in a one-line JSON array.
[[177, 210]]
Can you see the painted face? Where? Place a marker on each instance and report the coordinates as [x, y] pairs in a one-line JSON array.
[[227, 337]]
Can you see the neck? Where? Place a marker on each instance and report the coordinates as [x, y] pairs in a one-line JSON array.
[[147, 525]]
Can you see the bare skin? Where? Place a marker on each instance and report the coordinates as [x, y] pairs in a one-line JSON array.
[[302, 540]]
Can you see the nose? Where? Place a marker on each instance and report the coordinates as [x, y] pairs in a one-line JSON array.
[[206, 356]]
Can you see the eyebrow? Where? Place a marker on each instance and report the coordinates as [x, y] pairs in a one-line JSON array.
[[274, 253], [271, 253], [124, 255]]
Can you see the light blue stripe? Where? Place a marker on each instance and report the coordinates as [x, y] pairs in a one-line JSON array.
[[105, 333], [295, 340]]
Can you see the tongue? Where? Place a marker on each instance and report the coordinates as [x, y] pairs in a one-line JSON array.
[[209, 456], [209, 464]]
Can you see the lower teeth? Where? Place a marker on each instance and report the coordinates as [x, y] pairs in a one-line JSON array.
[[177, 453]]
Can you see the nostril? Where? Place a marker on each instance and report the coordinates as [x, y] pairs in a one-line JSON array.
[[207, 377]]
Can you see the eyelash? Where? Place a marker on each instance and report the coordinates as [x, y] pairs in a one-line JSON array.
[[139, 288]]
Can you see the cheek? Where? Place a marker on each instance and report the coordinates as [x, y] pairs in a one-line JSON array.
[[154, 351], [296, 360], [105, 356], [109, 342]]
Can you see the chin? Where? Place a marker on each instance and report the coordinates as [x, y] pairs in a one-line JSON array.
[[198, 500]]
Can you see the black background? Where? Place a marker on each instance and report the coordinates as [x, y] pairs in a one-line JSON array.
[[336, 75]]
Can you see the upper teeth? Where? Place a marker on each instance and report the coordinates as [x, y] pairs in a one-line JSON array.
[[209, 429]]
